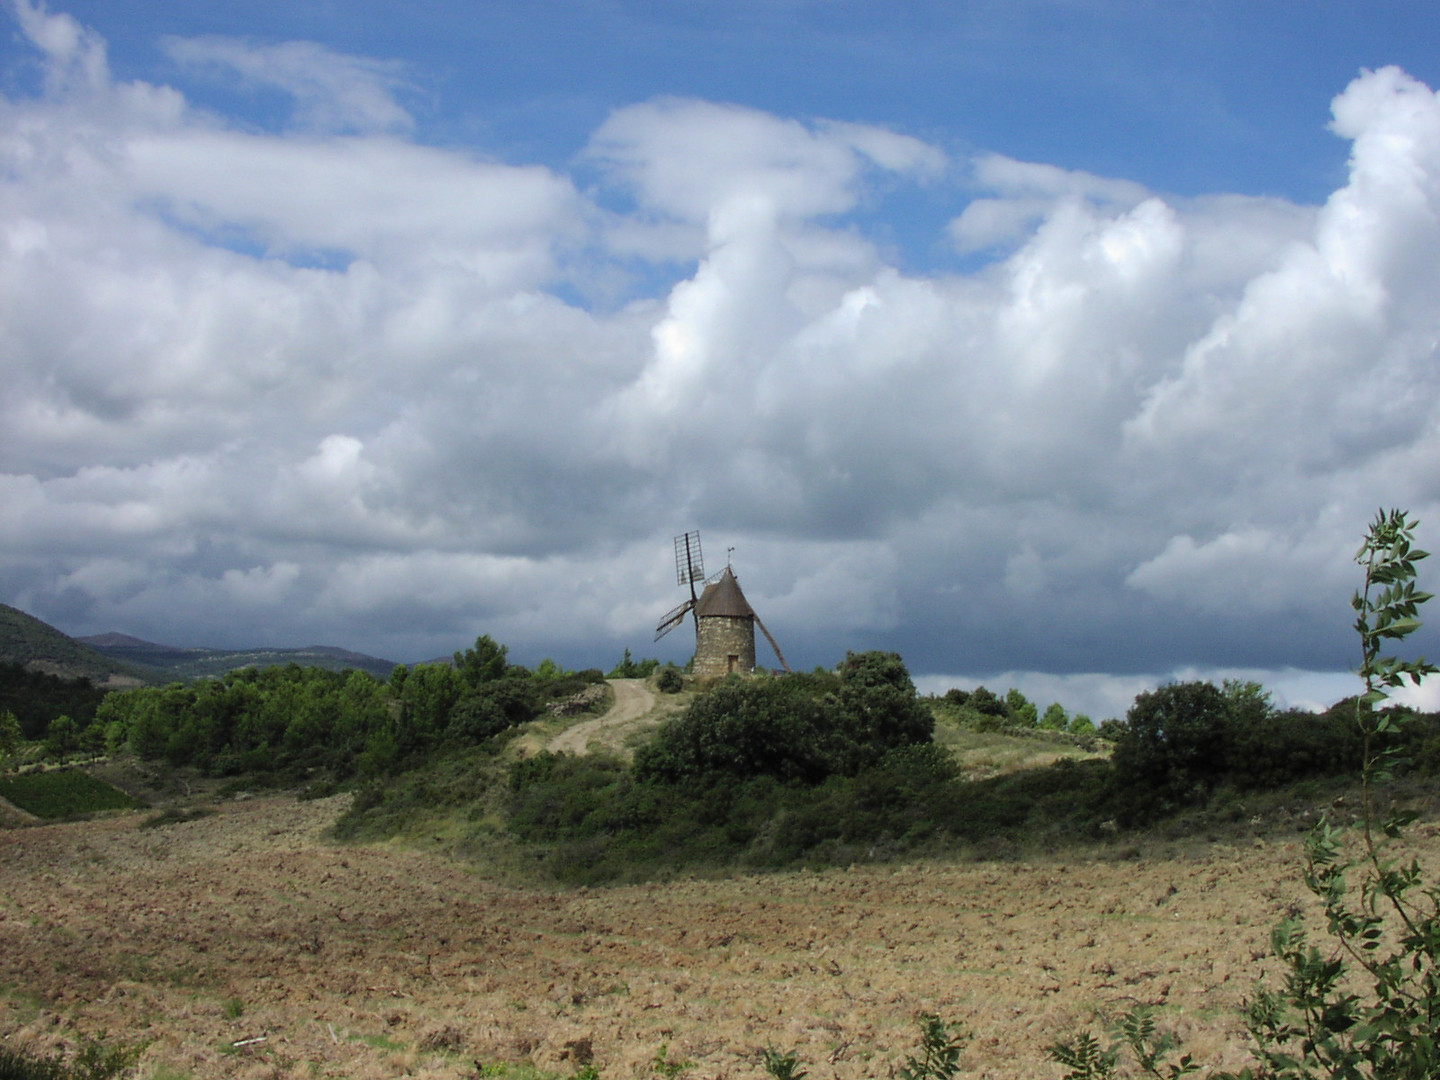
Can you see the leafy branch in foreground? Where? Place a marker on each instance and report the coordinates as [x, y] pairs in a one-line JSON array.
[[939, 1057], [782, 1065], [1386, 930], [940, 1046], [1136, 1033]]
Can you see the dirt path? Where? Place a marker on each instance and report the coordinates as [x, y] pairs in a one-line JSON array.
[[634, 710]]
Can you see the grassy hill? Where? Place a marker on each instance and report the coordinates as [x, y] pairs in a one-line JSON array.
[[38, 646], [118, 660], [176, 664]]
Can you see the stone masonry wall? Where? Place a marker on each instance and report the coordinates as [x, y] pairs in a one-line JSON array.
[[717, 640]]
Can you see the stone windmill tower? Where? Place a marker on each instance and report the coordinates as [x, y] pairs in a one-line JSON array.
[[724, 620]]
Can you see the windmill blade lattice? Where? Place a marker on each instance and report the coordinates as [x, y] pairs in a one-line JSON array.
[[675, 617], [689, 563]]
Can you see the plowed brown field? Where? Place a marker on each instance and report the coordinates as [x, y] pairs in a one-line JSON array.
[[379, 962]]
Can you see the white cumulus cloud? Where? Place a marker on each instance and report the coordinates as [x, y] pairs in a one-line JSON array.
[[330, 383]]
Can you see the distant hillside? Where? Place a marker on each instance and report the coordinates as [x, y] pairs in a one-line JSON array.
[[38, 646], [180, 664]]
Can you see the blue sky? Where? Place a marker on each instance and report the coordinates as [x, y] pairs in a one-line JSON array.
[[1062, 345], [1184, 98]]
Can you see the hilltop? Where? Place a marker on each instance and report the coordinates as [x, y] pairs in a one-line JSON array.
[[119, 660], [38, 646], [175, 663]]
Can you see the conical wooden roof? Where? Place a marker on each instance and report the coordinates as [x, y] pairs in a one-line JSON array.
[[724, 599]]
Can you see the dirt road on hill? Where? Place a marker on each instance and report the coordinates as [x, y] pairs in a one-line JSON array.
[[634, 710], [375, 962]]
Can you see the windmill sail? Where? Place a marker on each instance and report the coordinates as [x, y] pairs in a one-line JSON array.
[[773, 643], [673, 619]]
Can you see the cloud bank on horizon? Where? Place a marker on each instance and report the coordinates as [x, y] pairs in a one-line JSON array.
[[328, 382]]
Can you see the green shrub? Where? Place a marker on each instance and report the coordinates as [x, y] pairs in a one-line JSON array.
[[983, 701], [743, 728], [94, 1061], [1173, 746], [940, 1046], [1135, 1037], [939, 1057], [628, 668], [782, 1065]]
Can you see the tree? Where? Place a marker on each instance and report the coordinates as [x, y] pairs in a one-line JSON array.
[[10, 734], [1020, 709], [879, 712], [1173, 744], [1080, 724], [483, 663], [1055, 718], [62, 738], [984, 701]]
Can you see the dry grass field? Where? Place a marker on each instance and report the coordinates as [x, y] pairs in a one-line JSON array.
[[379, 961]]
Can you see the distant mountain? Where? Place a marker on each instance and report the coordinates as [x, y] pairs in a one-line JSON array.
[[118, 660], [174, 663], [38, 646], [119, 641]]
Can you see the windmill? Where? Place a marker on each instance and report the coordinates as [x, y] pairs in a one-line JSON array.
[[724, 620]]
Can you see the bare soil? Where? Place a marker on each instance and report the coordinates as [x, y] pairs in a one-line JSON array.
[[637, 710], [379, 961]]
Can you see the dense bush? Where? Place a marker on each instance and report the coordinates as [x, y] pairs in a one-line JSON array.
[[1280, 747], [984, 711], [744, 727], [1184, 740], [794, 727], [1173, 746], [591, 819], [879, 711]]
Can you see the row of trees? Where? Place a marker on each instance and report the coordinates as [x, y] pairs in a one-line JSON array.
[[984, 710], [289, 718], [36, 698], [1182, 741]]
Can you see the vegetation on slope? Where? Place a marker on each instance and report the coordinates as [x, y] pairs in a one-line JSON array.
[[36, 698], [165, 663], [37, 646], [292, 720], [842, 767]]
